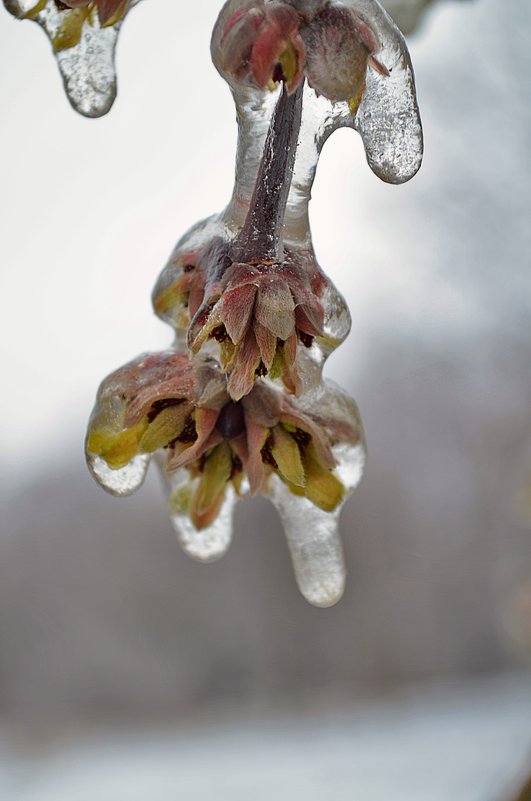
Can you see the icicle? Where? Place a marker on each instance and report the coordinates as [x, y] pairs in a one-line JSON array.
[[210, 543], [83, 45], [315, 547]]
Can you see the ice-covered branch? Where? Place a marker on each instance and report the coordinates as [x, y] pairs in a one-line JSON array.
[[238, 405]]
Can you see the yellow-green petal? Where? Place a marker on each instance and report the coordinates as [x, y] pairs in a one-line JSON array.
[[216, 472], [116, 449], [69, 32], [174, 300], [354, 102], [287, 455], [36, 9], [288, 62], [279, 364], [227, 353], [166, 427], [323, 488]]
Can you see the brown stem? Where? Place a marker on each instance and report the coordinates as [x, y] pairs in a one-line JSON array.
[[260, 238]]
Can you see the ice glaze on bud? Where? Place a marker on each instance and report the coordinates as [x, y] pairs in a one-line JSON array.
[[169, 403], [339, 48], [260, 44], [261, 314]]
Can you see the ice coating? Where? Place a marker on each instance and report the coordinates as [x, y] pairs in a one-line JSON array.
[[84, 52], [315, 547], [313, 535], [208, 544], [394, 151], [238, 405], [387, 117]]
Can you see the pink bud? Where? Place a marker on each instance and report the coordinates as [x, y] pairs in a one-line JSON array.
[[339, 47], [260, 44]]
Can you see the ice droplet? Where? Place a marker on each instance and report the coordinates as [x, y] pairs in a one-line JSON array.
[[315, 546], [87, 68], [337, 320], [209, 544], [121, 482]]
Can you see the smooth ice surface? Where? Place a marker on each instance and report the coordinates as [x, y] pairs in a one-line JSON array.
[[389, 125], [315, 546], [87, 69], [313, 535]]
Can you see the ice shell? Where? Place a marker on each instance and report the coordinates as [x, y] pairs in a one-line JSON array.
[[121, 482]]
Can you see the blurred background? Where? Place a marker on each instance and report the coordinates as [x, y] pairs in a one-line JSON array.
[[128, 671]]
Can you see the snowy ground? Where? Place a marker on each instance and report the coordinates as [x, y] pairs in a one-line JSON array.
[[465, 743]]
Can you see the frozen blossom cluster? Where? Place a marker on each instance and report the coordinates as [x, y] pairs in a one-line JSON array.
[[238, 405]]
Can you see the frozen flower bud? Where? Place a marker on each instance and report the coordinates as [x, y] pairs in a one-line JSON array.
[[340, 46], [259, 44], [171, 404], [259, 315], [161, 400]]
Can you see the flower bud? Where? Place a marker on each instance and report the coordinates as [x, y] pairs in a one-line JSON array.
[[260, 45], [339, 47]]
